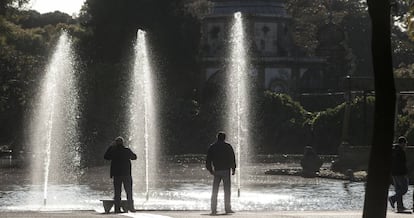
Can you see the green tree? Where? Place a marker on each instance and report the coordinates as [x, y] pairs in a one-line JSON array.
[[23, 55], [172, 27], [279, 120], [32, 19], [8, 4], [18, 69]]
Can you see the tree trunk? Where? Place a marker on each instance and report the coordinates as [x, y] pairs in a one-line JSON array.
[[379, 167]]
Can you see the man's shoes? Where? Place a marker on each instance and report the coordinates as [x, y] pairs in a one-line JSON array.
[[131, 207], [403, 210], [213, 213], [229, 211], [392, 203]]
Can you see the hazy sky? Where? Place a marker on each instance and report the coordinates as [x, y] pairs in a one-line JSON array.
[[68, 6]]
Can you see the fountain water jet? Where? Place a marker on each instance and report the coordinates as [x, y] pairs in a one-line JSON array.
[[53, 123], [238, 95], [143, 122]]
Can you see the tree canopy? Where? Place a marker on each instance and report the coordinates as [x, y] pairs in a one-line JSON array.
[[5, 5]]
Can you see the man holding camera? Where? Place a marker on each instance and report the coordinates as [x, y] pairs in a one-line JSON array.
[[120, 157]]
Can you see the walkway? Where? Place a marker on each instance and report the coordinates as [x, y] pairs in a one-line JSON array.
[[196, 214]]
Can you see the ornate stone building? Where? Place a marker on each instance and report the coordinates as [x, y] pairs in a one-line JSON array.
[[273, 56]]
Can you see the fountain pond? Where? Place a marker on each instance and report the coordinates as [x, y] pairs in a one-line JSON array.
[[183, 185]]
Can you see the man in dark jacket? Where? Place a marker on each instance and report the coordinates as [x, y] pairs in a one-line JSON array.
[[399, 174], [121, 157], [220, 160]]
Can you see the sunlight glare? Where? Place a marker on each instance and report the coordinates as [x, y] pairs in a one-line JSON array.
[[67, 6]]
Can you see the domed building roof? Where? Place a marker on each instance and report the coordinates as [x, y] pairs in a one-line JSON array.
[[257, 7]]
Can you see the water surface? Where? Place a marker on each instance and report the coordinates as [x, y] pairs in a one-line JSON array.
[[186, 186]]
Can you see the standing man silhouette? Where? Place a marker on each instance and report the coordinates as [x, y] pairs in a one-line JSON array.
[[220, 160], [399, 174], [120, 157]]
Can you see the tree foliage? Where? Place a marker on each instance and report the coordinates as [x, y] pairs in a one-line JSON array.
[[279, 120], [6, 5], [24, 50]]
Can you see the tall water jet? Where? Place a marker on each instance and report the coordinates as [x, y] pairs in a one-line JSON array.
[[238, 96], [53, 125], [143, 123]]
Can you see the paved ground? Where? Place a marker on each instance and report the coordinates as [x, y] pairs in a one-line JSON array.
[[194, 214]]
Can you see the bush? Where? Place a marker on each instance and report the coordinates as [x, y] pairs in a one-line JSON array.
[[327, 125], [279, 122]]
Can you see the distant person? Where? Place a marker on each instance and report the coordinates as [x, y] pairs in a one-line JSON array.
[[220, 161], [399, 174], [310, 163], [120, 157]]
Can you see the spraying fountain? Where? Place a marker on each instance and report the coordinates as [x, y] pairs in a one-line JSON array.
[[55, 161], [143, 123], [53, 123], [238, 96]]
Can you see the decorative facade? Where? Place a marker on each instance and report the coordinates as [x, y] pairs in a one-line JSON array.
[[272, 53]]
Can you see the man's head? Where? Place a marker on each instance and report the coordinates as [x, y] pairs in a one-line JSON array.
[[308, 149], [119, 141], [402, 140], [221, 136]]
